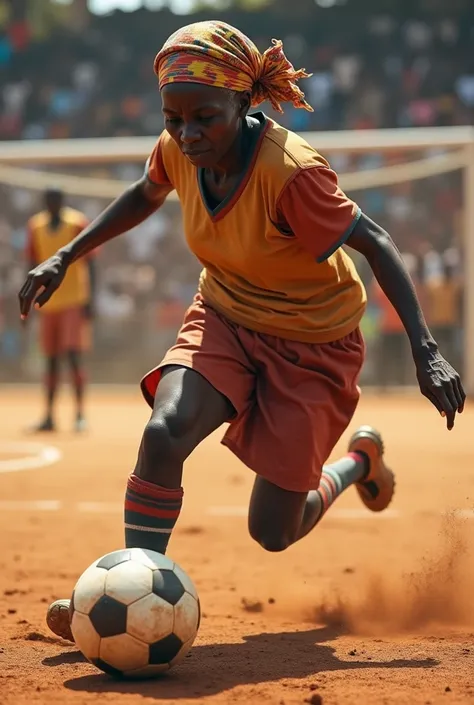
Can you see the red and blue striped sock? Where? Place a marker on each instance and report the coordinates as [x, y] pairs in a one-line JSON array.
[[150, 514], [335, 479], [338, 477]]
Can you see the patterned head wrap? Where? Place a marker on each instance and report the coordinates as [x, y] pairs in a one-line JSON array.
[[216, 54]]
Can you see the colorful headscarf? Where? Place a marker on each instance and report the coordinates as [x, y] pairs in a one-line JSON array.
[[216, 54]]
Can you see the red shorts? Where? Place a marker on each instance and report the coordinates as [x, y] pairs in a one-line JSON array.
[[293, 400], [62, 331]]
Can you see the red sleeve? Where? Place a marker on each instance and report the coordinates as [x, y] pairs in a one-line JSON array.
[[313, 207], [30, 249], [155, 168]]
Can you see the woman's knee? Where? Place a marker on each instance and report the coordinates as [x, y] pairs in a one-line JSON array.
[[271, 540], [186, 409], [275, 515], [164, 447]]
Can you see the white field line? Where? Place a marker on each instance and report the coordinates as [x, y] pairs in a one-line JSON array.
[[222, 511], [334, 513], [42, 505], [33, 456], [99, 507]]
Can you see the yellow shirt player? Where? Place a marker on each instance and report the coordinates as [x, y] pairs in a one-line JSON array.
[[444, 302], [64, 320], [271, 343]]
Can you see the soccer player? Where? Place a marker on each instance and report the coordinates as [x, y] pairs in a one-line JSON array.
[[271, 342], [64, 320], [444, 294]]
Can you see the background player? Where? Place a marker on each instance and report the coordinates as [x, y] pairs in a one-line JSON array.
[[65, 320], [444, 306]]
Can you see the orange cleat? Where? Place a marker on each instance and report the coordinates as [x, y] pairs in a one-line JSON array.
[[377, 488]]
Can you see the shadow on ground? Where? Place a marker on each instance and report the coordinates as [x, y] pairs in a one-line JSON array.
[[216, 668]]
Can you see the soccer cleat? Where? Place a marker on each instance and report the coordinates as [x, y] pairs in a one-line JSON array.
[[378, 486], [58, 619], [80, 424], [46, 426]]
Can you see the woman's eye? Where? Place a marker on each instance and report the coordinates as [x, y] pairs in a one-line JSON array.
[[172, 120]]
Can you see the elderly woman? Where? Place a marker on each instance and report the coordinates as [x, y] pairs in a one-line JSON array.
[[271, 343]]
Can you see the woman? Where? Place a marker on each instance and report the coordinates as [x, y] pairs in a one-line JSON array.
[[271, 343]]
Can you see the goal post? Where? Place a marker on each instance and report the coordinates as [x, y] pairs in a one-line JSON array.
[[468, 235], [87, 168], [123, 149]]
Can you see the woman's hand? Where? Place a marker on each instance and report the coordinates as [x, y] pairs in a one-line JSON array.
[[45, 279], [440, 383]]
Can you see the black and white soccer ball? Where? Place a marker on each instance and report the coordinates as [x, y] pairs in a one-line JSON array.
[[134, 613]]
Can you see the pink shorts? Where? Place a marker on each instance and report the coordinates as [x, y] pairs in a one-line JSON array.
[[293, 400]]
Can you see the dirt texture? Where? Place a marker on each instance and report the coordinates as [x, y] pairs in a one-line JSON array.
[[368, 609]]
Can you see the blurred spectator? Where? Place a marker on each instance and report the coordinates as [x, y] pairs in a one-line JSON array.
[[70, 73]]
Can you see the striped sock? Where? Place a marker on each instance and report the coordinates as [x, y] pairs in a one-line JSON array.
[[335, 479], [150, 514]]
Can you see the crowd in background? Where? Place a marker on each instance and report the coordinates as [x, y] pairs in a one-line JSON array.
[[93, 77], [86, 75]]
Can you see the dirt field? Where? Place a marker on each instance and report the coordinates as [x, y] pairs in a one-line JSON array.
[[368, 609]]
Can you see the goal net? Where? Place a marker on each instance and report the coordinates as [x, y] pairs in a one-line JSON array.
[[418, 184]]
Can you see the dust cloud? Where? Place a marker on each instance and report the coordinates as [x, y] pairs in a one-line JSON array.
[[439, 591]]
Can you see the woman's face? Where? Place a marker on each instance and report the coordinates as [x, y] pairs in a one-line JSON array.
[[204, 121]]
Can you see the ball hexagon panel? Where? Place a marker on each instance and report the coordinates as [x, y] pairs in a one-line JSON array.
[[186, 618], [85, 635], [165, 650], [109, 617], [110, 560], [89, 589], [158, 559], [147, 671], [150, 619], [168, 586], [186, 581], [128, 582], [123, 652], [152, 559]]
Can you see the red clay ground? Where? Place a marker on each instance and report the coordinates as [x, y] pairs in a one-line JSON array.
[[370, 610]]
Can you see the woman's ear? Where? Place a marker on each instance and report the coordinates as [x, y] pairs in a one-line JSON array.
[[244, 103]]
